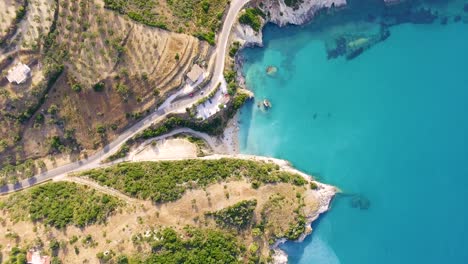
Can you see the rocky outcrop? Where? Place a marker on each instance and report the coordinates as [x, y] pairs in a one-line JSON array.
[[325, 194], [246, 36], [279, 13], [282, 14]]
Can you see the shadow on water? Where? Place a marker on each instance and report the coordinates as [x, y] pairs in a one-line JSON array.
[[356, 200], [350, 30]]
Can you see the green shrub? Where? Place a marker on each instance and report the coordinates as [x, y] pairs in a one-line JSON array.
[[313, 186], [234, 48], [293, 3], [199, 246], [99, 87], [61, 204], [238, 216], [252, 17], [76, 87], [101, 129], [168, 180], [53, 109]]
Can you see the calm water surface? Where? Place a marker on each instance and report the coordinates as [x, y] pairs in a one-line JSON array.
[[390, 125]]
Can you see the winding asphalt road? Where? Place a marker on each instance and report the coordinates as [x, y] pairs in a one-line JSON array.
[[95, 160]]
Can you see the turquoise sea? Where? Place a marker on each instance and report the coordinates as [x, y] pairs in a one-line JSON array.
[[390, 126]]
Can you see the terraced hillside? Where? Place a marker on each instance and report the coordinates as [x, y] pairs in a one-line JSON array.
[[200, 18], [93, 73]]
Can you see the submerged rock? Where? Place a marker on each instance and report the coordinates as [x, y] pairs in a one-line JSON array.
[[271, 70], [338, 50], [359, 201], [444, 21]]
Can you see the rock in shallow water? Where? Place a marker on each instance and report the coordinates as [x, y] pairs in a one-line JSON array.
[[361, 202], [271, 70]]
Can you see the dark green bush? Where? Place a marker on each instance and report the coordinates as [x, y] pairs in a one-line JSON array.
[[238, 216], [61, 204], [99, 87], [252, 17]]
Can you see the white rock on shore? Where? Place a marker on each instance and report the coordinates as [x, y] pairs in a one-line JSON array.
[[247, 36], [282, 14]]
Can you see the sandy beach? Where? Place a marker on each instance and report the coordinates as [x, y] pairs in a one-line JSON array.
[[230, 137]]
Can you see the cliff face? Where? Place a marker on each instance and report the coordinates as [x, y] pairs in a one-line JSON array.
[[278, 12], [282, 14]]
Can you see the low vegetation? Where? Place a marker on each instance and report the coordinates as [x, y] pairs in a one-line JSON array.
[[17, 256], [196, 246], [60, 204], [168, 180], [252, 17], [201, 18], [209, 212], [293, 3], [238, 216]]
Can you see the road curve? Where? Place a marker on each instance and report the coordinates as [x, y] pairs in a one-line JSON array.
[[94, 160]]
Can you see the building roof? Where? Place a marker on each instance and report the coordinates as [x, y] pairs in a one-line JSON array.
[[19, 73], [195, 73], [34, 257]]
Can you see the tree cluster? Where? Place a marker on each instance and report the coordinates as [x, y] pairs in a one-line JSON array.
[[168, 180]]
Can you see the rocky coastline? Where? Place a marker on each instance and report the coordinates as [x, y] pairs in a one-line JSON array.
[[350, 46], [282, 15], [324, 193]]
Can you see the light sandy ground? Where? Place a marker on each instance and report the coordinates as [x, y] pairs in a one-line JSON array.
[[230, 136], [37, 22], [176, 148], [168, 148], [7, 14]]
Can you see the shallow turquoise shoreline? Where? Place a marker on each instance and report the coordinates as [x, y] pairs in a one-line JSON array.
[[389, 126]]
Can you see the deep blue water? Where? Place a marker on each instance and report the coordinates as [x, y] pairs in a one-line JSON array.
[[390, 125]]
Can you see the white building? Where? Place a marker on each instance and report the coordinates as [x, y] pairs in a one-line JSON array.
[[196, 74], [19, 73], [34, 257]]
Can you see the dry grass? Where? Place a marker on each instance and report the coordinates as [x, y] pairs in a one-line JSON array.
[[7, 14], [137, 218], [39, 18], [102, 43]]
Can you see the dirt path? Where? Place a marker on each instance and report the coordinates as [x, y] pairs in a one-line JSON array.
[[100, 188]]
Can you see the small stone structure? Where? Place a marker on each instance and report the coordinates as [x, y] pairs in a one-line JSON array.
[[19, 73], [196, 74]]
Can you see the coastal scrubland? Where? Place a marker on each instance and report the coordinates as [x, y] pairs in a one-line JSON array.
[[219, 216], [168, 180], [59, 205]]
